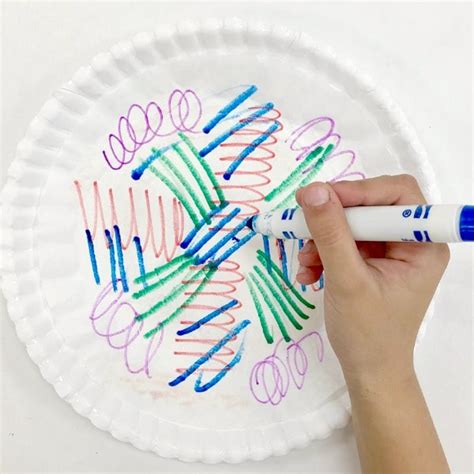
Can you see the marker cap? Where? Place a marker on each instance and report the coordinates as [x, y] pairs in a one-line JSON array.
[[466, 223]]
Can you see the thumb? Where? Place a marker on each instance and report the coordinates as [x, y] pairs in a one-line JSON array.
[[327, 223]]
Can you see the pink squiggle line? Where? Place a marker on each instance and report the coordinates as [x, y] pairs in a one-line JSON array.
[[184, 112], [256, 166], [155, 224], [130, 331], [294, 368], [222, 285]]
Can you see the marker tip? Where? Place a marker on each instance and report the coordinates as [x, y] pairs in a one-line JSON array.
[[250, 222]]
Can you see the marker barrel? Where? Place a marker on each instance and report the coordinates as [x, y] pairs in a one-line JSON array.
[[415, 223]]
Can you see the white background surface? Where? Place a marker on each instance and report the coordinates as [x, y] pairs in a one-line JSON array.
[[420, 52]]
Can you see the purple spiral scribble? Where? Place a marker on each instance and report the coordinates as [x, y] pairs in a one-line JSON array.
[[270, 378], [140, 125], [115, 320], [307, 129]]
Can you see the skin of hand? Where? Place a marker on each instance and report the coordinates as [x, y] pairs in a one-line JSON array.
[[375, 297]]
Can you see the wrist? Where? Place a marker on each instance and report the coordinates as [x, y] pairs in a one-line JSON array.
[[378, 384]]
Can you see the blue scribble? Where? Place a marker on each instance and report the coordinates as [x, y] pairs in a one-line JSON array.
[[246, 151], [321, 281], [187, 240], [229, 108], [93, 259], [212, 251], [284, 267], [193, 327], [123, 273], [233, 249], [141, 263], [110, 244], [202, 360], [266, 248], [139, 170], [238, 126], [203, 388], [225, 220], [300, 246]]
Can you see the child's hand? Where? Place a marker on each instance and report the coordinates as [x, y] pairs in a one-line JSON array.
[[376, 294], [375, 297]]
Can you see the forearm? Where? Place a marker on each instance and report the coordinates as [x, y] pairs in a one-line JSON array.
[[393, 427]]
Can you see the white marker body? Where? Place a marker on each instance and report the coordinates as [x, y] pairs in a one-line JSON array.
[[422, 223]]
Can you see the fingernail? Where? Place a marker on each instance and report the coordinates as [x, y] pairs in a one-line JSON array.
[[307, 248], [301, 271], [315, 195]]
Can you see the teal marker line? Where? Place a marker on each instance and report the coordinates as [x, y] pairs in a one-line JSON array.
[[205, 166], [278, 298], [177, 290], [138, 172], [273, 309], [195, 173], [160, 282], [307, 179], [187, 302], [284, 292], [294, 175], [277, 293], [186, 185], [177, 193], [159, 270], [265, 260], [261, 315]]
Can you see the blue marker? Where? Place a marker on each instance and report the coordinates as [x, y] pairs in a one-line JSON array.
[[414, 223]]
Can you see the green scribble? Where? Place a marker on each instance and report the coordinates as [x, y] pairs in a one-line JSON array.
[[194, 172], [294, 175], [260, 314], [159, 270], [278, 298], [177, 193], [205, 166], [316, 168], [280, 290], [161, 282], [186, 185], [176, 291], [179, 310], [273, 309], [265, 260]]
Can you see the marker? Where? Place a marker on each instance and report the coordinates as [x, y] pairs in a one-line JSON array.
[[414, 223]]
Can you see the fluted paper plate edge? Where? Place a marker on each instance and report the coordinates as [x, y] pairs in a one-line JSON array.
[[60, 365]]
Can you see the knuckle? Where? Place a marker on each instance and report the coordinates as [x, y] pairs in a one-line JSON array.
[[408, 181]]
